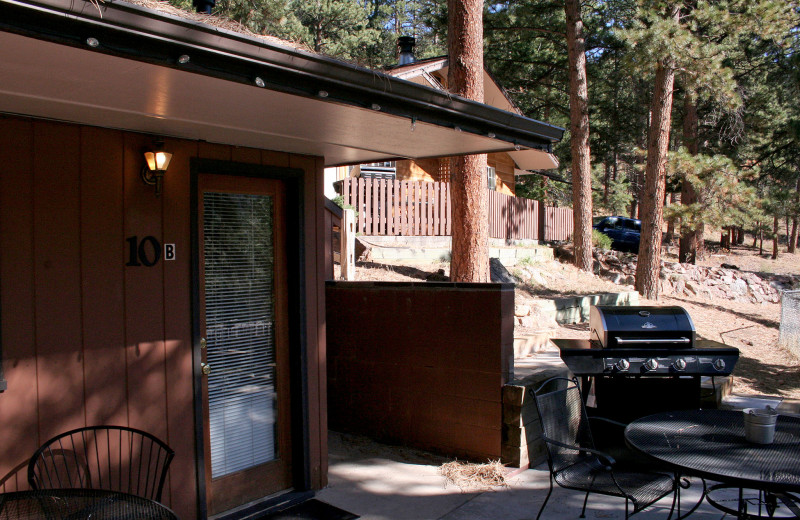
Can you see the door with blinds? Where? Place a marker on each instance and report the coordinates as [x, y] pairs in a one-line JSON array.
[[244, 348]]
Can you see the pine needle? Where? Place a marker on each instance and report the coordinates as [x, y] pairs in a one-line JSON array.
[[471, 477]]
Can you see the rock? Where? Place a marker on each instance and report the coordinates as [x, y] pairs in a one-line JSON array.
[[729, 266], [536, 276], [363, 251], [525, 321], [739, 287], [438, 276], [522, 310], [498, 272], [693, 287]]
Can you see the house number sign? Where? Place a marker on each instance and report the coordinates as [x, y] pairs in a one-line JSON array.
[[147, 251]]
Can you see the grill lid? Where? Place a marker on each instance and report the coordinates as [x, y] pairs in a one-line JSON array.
[[637, 327]]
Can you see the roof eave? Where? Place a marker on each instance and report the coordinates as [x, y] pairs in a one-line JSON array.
[[129, 31]]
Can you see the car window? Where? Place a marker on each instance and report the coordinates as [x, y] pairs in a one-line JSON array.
[[630, 224]]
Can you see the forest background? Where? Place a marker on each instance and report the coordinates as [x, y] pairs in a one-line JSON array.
[[734, 119]]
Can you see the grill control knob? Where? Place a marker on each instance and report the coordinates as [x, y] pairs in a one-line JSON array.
[[719, 364], [650, 365], [680, 364], [623, 365]]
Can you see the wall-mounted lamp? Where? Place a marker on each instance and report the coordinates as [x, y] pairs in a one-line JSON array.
[[156, 164]]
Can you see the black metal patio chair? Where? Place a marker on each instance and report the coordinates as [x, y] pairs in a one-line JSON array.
[[574, 462], [114, 458]]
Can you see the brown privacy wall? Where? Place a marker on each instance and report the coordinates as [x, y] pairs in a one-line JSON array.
[[420, 364], [87, 340]]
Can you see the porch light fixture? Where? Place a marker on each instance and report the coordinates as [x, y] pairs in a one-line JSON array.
[[156, 164]]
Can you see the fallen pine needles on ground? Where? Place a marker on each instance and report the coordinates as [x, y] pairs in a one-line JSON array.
[[471, 476]]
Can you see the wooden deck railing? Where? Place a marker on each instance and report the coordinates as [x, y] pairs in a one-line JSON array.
[[410, 208]]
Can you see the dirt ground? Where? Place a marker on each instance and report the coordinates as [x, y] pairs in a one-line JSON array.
[[763, 368]]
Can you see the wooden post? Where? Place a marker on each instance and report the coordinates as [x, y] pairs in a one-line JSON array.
[[347, 235]]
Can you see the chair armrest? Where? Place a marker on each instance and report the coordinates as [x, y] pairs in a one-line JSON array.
[[605, 458]]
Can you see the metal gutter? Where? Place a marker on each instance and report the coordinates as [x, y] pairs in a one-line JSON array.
[[129, 31]]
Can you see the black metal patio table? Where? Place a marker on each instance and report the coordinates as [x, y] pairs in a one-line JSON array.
[[711, 444], [80, 504]]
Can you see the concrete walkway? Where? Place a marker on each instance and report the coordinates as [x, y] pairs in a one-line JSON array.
[[379, 482]]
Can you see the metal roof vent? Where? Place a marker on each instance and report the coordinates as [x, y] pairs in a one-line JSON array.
[[406, 44]]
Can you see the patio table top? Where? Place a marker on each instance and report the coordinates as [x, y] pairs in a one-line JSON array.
[[711, 444]]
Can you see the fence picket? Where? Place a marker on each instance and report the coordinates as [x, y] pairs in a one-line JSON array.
[[392, 207]]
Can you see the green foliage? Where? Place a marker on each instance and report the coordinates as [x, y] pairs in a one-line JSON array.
[[337, 28], [339, 201], [723, 198], [601, 240], [612, 192], [737, 60]]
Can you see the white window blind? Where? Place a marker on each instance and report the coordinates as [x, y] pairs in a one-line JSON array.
[[238, 269]]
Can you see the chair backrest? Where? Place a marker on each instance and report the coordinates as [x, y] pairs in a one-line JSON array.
[[114, 458], [564, 420]]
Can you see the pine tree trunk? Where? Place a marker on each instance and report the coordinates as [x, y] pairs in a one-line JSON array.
[[470, 230], [793, 237], [690, 242], [775, 231], [648, 267], [668, 200], [579, 137]]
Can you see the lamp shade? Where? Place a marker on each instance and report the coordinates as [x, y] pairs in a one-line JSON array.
[[157, 161]]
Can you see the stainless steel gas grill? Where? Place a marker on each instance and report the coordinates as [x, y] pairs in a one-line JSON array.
[[643, 360]]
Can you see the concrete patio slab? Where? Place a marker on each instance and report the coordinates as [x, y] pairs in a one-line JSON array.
[[379, 482]]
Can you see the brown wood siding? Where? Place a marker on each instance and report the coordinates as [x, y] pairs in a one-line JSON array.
[[504, 169], [435, 382], [20, 437], [88, 340]]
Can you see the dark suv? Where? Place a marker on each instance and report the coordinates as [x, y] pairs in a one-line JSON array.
[[624, 232]]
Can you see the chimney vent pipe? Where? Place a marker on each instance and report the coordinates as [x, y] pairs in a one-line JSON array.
[[406, 44]]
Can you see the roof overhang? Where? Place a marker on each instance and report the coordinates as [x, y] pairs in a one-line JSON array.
[[234, 89], [533, 160]]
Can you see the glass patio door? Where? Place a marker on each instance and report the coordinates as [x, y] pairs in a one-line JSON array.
[[244, 347]]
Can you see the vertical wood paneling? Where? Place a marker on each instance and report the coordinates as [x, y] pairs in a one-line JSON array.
[[18, 404], [144, 300], [313, 194], [87, 339], [376, 219], [404, 208], [319, 407], [181, 487], [214, 151], [245, 155], [102, 269], [366, 202], [57, 267], [270, 158]]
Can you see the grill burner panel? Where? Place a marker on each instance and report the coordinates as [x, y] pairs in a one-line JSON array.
[[706, 358], [645, 341]]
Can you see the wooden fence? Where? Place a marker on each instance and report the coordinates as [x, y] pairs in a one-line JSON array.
[[412, 208]]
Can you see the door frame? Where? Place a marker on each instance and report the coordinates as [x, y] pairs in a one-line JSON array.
[[294, 185]]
